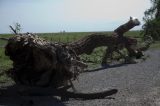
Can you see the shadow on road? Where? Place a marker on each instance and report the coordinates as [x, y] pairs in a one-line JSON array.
[[106, 67], [30, 101], [20, 95], [11, 96]]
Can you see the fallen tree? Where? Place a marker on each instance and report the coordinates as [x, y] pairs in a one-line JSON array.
[[39, 63]]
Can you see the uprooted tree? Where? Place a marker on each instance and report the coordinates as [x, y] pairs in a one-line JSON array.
[[37, 62]]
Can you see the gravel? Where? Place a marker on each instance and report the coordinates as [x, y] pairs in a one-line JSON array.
[[137, 84]]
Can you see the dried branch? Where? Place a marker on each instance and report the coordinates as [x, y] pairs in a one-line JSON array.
[[15, 32]]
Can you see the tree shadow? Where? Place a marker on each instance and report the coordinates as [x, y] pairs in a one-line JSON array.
[[22, 95], [106, 67], [11, 96], [30, 101]]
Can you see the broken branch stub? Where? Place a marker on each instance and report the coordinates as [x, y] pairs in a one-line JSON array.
[[15, 32]]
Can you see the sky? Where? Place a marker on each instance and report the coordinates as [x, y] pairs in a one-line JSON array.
[[69, 15]]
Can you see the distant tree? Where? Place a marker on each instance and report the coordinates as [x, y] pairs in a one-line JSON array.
[[17, 27], [152, 21]]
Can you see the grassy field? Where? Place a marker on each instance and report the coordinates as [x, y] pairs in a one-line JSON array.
[[95, 57]]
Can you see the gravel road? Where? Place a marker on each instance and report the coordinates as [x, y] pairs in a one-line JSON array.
[[137, 84]]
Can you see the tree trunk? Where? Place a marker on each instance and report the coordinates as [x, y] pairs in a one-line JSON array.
[[87, 44]]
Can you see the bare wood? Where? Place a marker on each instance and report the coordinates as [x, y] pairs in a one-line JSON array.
[[127, 26]]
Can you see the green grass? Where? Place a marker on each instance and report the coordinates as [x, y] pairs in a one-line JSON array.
[[5, 62], [62, 37], [6, 35], [136, 34], [2, 42], [5, 65]]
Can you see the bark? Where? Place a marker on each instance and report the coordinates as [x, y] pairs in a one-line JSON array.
[[124, 42], [87, 44], [127, 26]]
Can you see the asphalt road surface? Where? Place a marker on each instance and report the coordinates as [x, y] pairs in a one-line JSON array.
[[137, 84]]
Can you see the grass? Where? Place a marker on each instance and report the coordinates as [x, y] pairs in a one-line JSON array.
[[5, 62], [5, 65], [2, 43]]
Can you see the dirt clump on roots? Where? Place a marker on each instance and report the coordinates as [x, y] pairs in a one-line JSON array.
[[37, 62]]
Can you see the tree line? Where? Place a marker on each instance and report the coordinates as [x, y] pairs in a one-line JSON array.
[[152, 20]]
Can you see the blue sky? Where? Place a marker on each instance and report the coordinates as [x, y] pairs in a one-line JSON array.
[[69, 15]]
